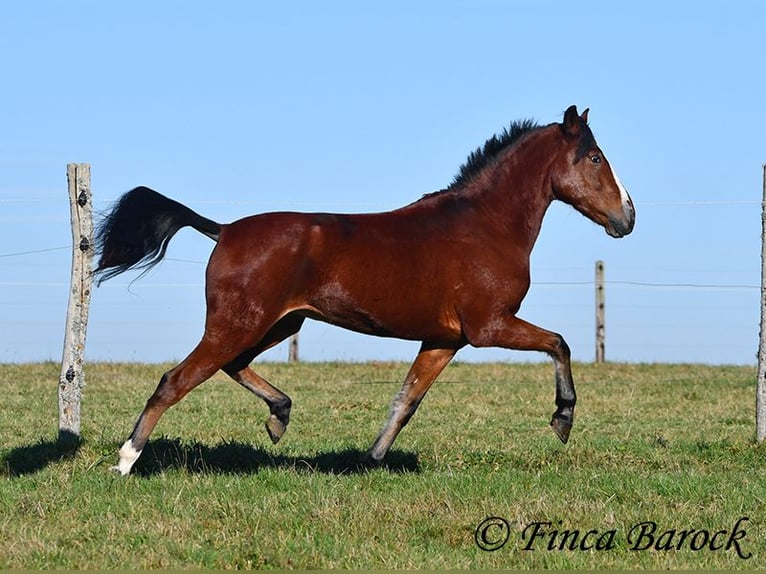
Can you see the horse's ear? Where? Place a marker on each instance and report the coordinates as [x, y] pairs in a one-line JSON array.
[[584, 115], [572, 121]]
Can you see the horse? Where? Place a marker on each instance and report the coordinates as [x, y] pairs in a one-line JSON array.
[[448, 270]]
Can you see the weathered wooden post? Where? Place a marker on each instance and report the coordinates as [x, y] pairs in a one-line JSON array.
[[600, 319], [72, 378], [760, 392]]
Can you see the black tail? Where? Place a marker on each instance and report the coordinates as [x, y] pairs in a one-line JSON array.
[[135, 234]]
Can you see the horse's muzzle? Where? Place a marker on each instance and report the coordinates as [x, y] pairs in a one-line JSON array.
[[621, 224]]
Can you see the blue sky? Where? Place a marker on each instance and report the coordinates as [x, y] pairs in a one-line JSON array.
[[235, 108]]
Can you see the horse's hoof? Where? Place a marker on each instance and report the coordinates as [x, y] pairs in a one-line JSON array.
[[370, 461], [116, 469], [276, 428], [562, 428]]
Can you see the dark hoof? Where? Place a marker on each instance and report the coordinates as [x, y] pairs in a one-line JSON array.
[[369, 460], [562, 428], [276, 428]]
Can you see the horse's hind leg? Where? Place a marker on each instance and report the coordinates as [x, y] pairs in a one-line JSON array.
[[278, 402], [199, 366], [423, 372]]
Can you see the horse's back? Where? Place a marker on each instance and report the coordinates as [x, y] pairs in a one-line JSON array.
[[374, 273]]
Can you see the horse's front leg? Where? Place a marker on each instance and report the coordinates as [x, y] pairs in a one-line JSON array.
[[563, 418], [517, 334]]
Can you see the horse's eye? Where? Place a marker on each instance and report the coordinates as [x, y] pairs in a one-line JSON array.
[[595, 158]]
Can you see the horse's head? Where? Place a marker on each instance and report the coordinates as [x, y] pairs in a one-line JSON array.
[[583, 178]]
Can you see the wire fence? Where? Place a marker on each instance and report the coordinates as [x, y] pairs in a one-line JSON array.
[[644, 318]]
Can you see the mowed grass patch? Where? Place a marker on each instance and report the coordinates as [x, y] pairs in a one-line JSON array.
[[668, 444]]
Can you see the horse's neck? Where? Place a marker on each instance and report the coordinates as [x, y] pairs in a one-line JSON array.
[[516, 191]]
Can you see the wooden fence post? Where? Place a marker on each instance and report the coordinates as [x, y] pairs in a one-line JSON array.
[[600, 319], [292, 354], [72, 381], [760, 392]]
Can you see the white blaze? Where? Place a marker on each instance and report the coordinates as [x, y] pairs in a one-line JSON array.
[[626, 201]]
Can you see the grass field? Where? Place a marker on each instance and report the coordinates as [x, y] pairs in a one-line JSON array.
[[669, 445]]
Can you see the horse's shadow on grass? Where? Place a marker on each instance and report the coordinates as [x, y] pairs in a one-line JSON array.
[[165, 454]]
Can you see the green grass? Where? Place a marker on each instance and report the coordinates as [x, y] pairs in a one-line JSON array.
[[671, 444]]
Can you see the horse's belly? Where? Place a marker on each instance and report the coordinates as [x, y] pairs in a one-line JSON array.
[[394, 315]]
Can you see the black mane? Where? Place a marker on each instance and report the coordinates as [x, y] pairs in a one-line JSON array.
[[484, 155]]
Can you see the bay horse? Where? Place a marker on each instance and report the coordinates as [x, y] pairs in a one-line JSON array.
[[448, 270]]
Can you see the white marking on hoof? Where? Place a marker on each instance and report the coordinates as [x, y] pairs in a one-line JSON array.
[[128, 457]]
